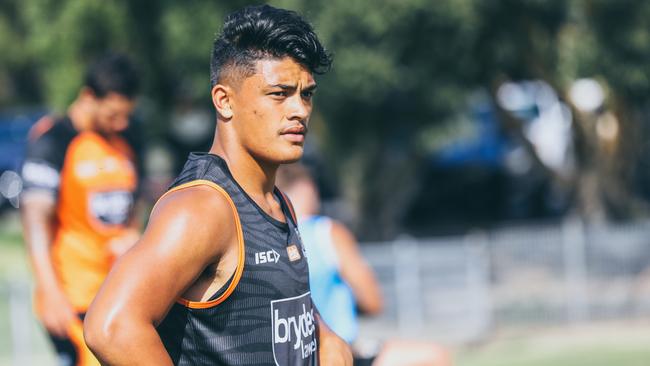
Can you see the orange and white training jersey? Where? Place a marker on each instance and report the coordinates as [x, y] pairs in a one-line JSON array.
[[94, 180]]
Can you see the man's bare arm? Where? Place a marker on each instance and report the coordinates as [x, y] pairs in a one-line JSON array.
[[333, 350], [119, 245], [355, 271], [37, 211], [189, 230]]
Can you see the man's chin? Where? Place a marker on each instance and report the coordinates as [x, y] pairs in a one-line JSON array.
[[291, 161], [284, 155], [295, 154], [111, 131], [120, 128], [291, 157]]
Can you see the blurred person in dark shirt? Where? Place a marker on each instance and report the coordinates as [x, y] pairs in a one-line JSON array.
[[81, 175]]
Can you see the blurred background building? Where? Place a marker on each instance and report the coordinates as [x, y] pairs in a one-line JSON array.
[[492, 156]]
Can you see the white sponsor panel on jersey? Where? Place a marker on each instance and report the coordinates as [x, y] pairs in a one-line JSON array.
[[294, 330], [90, 168], [111, 208]]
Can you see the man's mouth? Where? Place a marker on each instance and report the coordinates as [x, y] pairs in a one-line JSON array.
[[295, 133]]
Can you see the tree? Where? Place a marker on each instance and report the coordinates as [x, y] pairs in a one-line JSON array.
[[402, 68], [399, 68], [559, 42]]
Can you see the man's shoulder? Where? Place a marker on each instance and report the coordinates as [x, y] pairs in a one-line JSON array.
[[51, 128], [202, 200], [199, 213], [47, 147], [200, 167], [49, 139]]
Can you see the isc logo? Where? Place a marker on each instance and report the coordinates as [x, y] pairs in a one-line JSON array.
[[270, 256]]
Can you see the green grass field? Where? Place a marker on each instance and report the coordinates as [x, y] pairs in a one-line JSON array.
[[619, 344]]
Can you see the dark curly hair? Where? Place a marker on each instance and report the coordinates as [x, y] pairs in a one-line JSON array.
[[113, 72], [258, 32]]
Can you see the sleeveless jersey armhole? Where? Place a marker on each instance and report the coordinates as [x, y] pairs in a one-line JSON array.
[[232, 283]]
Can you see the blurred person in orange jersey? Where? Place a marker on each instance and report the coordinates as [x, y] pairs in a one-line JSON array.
[[341, 281], [80, 175]]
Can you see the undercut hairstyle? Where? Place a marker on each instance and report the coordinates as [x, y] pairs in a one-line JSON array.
[[258, 32], [112, 73]]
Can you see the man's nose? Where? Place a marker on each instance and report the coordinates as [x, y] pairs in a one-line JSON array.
[[299, 107]]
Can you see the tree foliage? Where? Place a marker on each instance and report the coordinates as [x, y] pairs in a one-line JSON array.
[[400, 68]]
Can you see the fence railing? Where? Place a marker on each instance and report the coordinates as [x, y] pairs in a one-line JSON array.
[[22, 341], [460, 289]]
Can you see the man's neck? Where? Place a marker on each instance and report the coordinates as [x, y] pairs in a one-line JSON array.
[[255, 177]]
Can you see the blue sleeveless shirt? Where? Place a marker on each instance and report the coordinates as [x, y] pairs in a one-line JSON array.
[[332, 296]]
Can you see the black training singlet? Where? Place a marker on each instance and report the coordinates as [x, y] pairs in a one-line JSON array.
[[264, 315]]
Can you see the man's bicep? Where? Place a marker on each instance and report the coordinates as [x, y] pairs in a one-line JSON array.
[[355, 271], [147, 281], [41, 203], [178, 244], [352, 265], [37, 211]]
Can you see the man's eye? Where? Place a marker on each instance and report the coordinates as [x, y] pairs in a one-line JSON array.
[[307, 94], [279, 94]]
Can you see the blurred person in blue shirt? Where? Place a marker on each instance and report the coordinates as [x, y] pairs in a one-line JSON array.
[[342, 283]]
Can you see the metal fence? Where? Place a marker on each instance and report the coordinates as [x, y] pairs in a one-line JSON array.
[[22, 341], [462, 289]]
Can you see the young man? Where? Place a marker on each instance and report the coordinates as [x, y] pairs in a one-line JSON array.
[[80, 177], [220, 275], [341, 280]]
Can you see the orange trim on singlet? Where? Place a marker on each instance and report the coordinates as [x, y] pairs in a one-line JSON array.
[[290, 206], [240, 243], [76, 337]]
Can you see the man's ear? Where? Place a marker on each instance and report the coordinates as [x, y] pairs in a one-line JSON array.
[[87, 94], [221, 95]]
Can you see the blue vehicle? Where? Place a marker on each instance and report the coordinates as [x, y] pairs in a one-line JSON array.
[[14, 127]]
